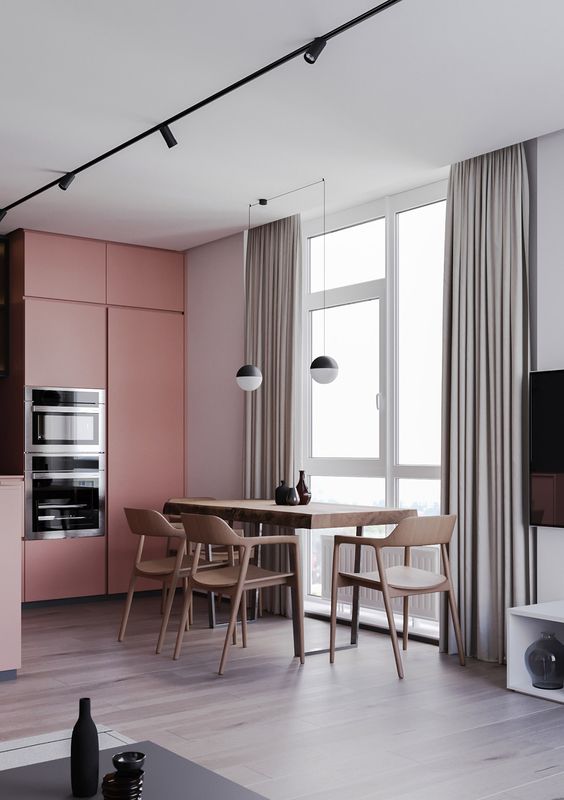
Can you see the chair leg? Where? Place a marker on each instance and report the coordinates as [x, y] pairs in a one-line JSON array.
[[243, 612], [456, 625], [166, 616], [163, 598], [190, 620], [183, 622], [405, 621], [393, 633], [235, 601], [127, 608]]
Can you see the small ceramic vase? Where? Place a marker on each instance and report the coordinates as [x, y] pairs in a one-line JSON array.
[[292, 497], [303, 490], [281, 493], [544, 660]]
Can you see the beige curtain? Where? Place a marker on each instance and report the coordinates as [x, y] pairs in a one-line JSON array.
[[485, 391], [271, 282]]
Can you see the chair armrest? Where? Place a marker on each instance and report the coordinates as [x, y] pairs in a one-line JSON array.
[[257, 541], [370, 541]]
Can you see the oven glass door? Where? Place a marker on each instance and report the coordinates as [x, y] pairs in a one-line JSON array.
[[63, 505], [60, 427]]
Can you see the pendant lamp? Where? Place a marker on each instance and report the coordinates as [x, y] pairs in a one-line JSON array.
[[324, 369], [249, 377]]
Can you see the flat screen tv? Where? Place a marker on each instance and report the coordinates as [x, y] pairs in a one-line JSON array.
[[547, 448]]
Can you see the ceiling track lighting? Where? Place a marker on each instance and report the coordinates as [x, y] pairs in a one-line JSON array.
[[314, 50], [66, 181], [324, 369], [310, 52], [168, 136]]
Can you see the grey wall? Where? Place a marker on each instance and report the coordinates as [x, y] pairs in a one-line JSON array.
[[545, 158]]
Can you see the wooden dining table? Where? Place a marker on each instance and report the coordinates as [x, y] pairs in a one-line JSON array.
[[314, 516]]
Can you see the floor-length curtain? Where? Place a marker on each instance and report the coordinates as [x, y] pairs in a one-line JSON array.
[[485, 380], [271, 284]]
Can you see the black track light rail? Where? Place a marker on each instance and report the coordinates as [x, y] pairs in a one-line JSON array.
[[206, 101]]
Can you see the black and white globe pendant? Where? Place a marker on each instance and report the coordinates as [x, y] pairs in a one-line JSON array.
[[249, 378], [324, 369]]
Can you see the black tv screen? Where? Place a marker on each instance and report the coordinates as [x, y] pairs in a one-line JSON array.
[[547, 448]]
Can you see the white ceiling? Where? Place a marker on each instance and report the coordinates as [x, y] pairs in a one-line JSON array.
[[388, 105]]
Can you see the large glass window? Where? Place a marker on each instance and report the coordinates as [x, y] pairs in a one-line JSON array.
[[373, 436]]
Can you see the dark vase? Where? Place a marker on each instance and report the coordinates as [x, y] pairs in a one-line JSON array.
[[303, 490], [127, 781], [281, 493], [544, 660], [84, 753], [292, 497]]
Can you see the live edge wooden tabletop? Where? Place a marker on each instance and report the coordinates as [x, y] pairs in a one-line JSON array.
[[312, 516]]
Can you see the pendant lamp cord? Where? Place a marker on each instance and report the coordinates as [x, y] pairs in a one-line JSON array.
[[324, 289]]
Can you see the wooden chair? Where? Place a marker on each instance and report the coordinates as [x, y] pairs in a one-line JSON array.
[[167, 571], [236, 579], [400, 581]]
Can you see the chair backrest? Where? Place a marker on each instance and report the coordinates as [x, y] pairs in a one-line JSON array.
[[206, 529], [148, 522], [420, 531]]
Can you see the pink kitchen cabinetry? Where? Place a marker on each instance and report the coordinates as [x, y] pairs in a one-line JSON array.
[[65, 344], [64, 267], [145, 277], [59, 568], [11, 532], [145, 427]]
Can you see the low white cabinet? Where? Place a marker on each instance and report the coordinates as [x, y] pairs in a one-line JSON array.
[[11, 533], [524, 626]]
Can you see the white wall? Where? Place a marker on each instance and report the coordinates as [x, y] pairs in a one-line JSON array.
[[546, 168], [215, 302]]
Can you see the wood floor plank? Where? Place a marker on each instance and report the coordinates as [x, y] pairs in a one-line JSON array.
[[317, 732]]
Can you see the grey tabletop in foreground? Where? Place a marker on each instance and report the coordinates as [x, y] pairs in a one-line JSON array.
[[167, 777], [312, 516]]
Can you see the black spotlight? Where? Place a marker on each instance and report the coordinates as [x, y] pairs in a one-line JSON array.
[[314, 50], [66, 181], [3, 213], [167, 135]]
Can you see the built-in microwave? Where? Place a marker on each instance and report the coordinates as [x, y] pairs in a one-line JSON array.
[[64, 420]]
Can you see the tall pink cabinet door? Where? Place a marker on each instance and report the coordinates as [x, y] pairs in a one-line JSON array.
[[145, 427], [11, 532], [65, 344]]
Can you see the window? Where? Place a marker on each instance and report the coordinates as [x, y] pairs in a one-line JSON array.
[[373, 435]]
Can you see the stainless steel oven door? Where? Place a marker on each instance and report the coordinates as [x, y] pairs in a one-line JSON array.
[[64, 504], [66, 426]]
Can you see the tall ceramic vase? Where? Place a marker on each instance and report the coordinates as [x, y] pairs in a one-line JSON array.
[[84, 753], [303, 490]]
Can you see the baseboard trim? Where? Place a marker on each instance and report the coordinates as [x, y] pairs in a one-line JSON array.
[[8, 675]]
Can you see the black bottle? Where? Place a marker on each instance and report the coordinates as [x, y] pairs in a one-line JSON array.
[[85, 753]]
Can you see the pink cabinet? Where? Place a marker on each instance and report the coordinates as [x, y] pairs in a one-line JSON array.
[[145, 277], [58, 568], [65, 344], [145, 427], [64, 267], [11, 532]]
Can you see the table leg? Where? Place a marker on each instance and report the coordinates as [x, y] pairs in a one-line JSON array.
[[255, 603], [356, 592]]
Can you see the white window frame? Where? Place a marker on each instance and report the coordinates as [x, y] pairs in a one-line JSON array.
[[386, 289]]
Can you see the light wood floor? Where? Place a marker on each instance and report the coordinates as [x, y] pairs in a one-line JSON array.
[[318, 732]]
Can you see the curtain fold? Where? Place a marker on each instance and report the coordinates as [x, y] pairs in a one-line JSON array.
[[485, 395], [272, 275]]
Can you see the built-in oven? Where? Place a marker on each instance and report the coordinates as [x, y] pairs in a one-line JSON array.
[[64, 420], [64, 495]]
